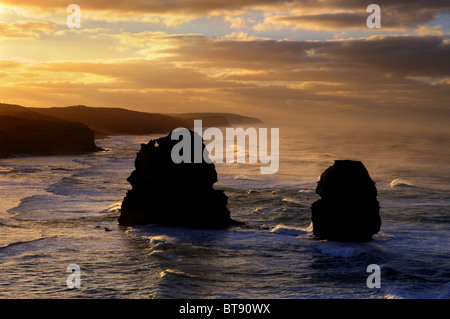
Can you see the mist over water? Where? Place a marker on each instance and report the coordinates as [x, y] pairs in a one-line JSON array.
[[63, 210]]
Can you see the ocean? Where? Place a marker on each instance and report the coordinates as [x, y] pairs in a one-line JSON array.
[[56, 211]]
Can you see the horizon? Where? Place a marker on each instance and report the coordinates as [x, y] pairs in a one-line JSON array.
[[289, 126], [290, 62]]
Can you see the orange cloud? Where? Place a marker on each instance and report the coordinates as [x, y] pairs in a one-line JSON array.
[[327, 14], [294, 79], [23, 30], [7, 64]]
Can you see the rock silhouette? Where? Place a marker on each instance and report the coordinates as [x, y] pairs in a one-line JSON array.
[[348, 209], [105, 121], [164, 192], [73, 129], [44, 136]]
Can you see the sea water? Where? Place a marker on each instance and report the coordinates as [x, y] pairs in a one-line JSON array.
[[61, 210]]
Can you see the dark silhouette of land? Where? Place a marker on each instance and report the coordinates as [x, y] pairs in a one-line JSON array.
[[164, 192], [72, 129], [219, 119], [44, 136], [348, 209]]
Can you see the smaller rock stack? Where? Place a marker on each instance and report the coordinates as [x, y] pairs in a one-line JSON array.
[[348, 209], [164, 192]]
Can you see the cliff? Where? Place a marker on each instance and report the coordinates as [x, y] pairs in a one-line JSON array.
[[119, 121], [61, 130], [44, 136]]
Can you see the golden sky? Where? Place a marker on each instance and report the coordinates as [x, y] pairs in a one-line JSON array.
[[291, 61]]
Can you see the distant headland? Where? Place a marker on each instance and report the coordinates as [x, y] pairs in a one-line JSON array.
[[73, 129]]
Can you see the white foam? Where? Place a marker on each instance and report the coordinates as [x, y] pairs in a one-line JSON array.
[[338, 249], [113, 208], [417, 293], [401, 183], [291, 231], [51, 206], [161, 239], [327, 155], [161, 254], [399, 293], [392, 296], [306, 191], [175, 272], [293, 200]]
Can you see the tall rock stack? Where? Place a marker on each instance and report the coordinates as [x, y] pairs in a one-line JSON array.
[[348, 209], [164, 192]]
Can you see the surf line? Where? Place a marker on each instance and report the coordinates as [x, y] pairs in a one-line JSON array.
[[235, 146]]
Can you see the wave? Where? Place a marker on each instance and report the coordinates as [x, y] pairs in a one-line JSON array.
[[402, 183], [445, 292], [392, 296], [403, 293], [174, 272], [244, 178], [161, 241], [337, 249], [113, 208], [294, 201], [162, 255], [402, 286], [31, 246], [11, 245], [327, 155], [291, 231], [31, 203], [5, 169], [51, 206]]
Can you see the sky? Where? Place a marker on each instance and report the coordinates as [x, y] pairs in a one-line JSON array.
[[293, 62]]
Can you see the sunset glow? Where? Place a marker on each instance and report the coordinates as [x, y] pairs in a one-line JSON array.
[[287, 61], [213, 151]]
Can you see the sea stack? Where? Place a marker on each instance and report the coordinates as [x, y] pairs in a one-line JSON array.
[[348, 209], [164, 192]]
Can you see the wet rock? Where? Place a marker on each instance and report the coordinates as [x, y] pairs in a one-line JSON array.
[[164, 192], [348, 209]]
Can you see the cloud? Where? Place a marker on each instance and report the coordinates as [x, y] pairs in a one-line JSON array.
[[341, 14], [294, 79], [242, 36], [430, 30], [134, 73], [9, 64], [409, 55], [342, 20], [81, 31], [364, 78], [395, 55], [397, 15], [25, 30], [330, 21], [235, 22], [151, 6]]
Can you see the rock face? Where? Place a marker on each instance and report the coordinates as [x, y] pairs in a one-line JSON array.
[[118, 121], [46, 136], [164, 192], [348, 209]]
